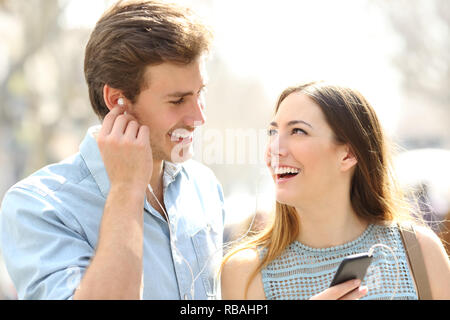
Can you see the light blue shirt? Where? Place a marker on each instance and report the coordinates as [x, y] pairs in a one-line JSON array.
[[50, 227]]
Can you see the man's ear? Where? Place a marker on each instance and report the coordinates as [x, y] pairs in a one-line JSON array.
[[111, 96], [348, 158]]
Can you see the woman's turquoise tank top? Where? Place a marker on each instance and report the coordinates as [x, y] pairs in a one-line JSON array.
[[302, 272]]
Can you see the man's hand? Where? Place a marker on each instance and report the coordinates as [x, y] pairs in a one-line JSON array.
[[125, 148], [349, 290], [116, 269]]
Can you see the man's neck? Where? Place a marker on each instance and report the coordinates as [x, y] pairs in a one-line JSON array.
[[156, 180]]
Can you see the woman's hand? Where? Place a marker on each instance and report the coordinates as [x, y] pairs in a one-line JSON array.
[[349, 290]]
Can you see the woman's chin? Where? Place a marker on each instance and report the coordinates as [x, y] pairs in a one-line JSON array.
[[287, 199]]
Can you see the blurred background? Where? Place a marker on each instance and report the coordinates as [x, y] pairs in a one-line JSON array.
[[395, 52]]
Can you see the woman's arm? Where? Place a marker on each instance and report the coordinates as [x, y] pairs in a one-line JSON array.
[[437, 263], [236, 273], [238, 269]]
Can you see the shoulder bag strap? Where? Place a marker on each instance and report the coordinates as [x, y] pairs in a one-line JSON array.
[[416, 261]]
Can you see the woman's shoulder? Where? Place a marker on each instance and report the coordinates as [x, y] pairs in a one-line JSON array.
[[427, 238], [247, 256], [241, 264], [237, 271], [432, 247], [437, 262]]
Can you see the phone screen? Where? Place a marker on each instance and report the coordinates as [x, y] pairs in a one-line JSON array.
[[352, 267]]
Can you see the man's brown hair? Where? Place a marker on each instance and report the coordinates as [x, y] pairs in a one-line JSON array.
[[132, 35]]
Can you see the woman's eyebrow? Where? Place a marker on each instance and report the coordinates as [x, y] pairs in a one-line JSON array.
[[291, 123]]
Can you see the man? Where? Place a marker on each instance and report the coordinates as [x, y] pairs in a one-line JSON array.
[[127, 217]]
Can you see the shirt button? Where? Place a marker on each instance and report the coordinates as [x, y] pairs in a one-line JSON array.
[[208, 227]]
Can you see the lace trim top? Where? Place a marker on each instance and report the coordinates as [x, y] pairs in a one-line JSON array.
[[301, 272]]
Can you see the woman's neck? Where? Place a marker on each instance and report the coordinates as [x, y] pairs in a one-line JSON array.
[[329, 224]]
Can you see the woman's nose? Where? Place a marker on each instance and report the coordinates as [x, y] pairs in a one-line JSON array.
[[275, 151]]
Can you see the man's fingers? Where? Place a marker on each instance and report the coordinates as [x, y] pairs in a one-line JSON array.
[[121, 124], [132, 129], [143, 134], [110, 118]]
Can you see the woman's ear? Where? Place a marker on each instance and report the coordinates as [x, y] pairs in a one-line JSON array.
[[348, 158], [112, 97]]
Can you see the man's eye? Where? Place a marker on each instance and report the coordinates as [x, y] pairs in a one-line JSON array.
[[203, 90], [298, 131], [271, 132], [179, 101]]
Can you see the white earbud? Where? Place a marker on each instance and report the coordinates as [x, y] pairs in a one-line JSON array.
[[121, 103]]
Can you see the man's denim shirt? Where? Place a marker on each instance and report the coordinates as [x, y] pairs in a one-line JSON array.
[[50, 228]]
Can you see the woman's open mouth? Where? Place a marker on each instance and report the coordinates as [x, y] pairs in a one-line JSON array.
[[285, 173]]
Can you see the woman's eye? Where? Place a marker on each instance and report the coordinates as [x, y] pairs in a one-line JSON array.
[[271, 132], [298, 131], [180, 101]]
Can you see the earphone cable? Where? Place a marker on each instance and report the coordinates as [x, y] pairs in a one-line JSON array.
[[396, 263], [172, 241]]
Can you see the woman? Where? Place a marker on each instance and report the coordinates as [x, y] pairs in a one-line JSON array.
[[335, 196]]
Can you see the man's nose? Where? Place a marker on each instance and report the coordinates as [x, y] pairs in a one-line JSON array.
[[196, 115]]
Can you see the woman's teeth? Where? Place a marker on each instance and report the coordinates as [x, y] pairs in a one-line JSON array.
[[286, 170]]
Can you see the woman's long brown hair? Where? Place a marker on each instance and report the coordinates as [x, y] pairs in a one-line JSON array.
[[374, 193]]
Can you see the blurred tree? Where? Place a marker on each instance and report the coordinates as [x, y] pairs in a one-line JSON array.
[[38, 23], [424, 58], [239, 109], [39, 87]]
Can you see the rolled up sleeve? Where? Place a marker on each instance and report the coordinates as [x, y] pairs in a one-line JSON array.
[[45, 255]]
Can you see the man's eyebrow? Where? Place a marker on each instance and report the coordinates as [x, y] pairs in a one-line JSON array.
[[291, 123], [181, 94]]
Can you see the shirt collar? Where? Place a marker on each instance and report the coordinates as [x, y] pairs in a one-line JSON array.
[[91, 155], [171, 170]]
